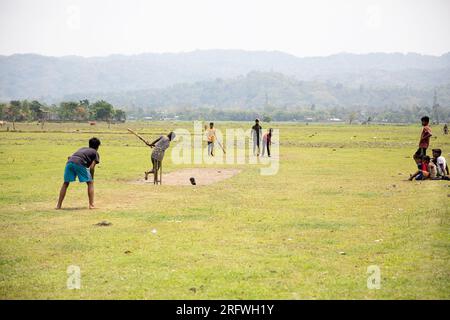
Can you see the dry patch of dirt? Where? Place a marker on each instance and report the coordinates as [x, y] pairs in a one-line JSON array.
[[202, 176]]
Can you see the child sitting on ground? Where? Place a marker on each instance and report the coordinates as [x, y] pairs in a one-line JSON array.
[[432, 169], [440, 162], [441, 165], [422, 166]]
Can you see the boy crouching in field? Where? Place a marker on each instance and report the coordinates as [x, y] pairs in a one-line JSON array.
[[82, 165]]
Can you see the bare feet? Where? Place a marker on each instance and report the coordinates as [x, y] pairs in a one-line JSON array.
[[91, 206]]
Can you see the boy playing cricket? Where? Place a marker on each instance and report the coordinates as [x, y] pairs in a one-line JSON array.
[[160, 145], [82, 165], [211, 138]]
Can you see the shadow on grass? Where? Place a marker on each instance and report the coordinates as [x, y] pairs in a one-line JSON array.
[[73, 209]]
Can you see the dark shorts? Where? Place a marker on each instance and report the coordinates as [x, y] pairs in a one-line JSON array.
[[421, 152], [420, 176], [74, 170]]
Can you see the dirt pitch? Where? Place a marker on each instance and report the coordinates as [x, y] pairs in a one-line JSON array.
[[203, 176]]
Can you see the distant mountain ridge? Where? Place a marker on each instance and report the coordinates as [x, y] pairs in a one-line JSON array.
[[31, 76]]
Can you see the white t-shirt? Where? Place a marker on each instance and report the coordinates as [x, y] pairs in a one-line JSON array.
[[441, 163], [211, 134]]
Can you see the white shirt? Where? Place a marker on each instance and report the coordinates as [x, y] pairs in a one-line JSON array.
[[211, 134], [441, 163]]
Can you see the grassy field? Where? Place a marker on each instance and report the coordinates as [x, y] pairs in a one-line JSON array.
[[339, 204]]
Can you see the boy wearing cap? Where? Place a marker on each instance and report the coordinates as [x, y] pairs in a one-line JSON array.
[[161, 145]]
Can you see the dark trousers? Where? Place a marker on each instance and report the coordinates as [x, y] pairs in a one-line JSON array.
[[421, 152]]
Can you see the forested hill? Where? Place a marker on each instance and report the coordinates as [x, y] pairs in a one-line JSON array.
[[187, 77], [262, 90]]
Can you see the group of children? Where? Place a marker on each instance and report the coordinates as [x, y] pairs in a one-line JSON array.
[[82, 163], [259, 139], [435, 168]]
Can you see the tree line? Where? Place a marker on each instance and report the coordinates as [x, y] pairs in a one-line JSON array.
[[83, 110], [393, 114]]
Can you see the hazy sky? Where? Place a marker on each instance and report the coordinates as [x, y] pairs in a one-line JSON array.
[[303, 28]]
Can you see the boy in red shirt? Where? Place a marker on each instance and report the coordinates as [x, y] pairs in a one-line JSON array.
[[424, 137], [422, 165]]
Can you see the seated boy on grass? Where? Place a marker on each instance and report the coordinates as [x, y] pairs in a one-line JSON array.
[[422, 165], [441, 165], [82, 165]]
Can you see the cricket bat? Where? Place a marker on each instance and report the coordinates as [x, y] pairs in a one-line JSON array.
[[220, 145], [139, 136]]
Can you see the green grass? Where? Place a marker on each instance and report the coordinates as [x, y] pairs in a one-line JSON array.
[[339, 188]]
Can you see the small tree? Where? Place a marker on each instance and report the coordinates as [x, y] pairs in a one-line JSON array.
[[36, 110], [13, 112], [352, 117], [67, 110], [103, 111], [84, 103], [81, 113], [25, 113], [267, 118], [2, 110], [120, 115]]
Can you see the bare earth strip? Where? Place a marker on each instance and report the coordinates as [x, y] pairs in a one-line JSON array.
[[203, 176]]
